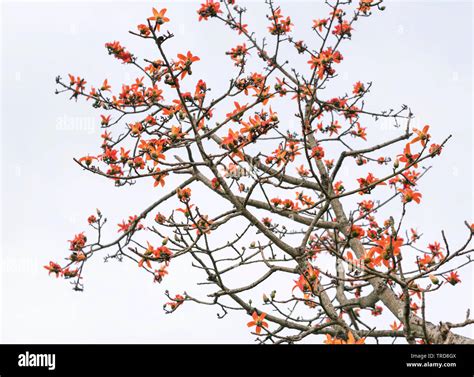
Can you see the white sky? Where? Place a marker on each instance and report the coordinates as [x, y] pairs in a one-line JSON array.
[[415, 53]]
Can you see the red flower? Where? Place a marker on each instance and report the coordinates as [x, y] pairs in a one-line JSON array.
[[215, 183], [110, 155], [258, 322], [319, 24], [119, 52], [54, 268], [358, 88], [267, 222], [175, 303], [124, 227], [357, 232], [338, 187], [453, 278], [360, 132], [78, 242], [209, 9], [366, 206], [144, 30], [367, 184], [317, 152], [343, 29], [435, 149], [160, 274], [377, 311], [160, 218], [70, 273], [104, 120]]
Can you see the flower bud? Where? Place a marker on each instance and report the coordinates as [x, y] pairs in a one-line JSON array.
[[434, 279]]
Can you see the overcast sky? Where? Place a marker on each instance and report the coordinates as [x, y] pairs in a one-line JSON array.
[[417, 53]]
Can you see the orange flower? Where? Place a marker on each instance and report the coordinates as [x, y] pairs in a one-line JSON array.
[[87, 159], [185, 62], [159, 18], [407, 157], [302, 171], [159, 178], [184, 194], [408, 195], [231, 139], [105, 86], [395, 327], [360, 132], [304, 199], [144, 30], [422, 136], [160, 274], [386, 248], [308, 281], [237, 112], [350, 340], [258, 322], [186, 210], [367, 184], [176, 133]]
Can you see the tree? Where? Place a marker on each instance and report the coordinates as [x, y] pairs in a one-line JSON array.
[[287, 215]]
